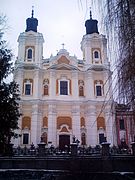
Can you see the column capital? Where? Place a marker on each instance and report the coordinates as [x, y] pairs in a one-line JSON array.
[[74, 74], [52, 109], [76, 109], [36, 109], [52, 73]]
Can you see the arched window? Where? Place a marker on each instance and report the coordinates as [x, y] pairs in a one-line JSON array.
[[83, 139], [29, 54], [96, 54], [81, 91]]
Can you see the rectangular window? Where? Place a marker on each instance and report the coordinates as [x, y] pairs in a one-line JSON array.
[[63, 87], [27, 89], [101, 138], [98, 91], [122, 126], [26, 138]]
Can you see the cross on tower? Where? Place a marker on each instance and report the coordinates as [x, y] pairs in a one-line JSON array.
[[63, 45], [32, 12], [90, 13]]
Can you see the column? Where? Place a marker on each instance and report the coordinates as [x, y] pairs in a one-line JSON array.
[[21, 49], [18, 77], [52, 124], [89, 86], [36, 85], [75, 85], [35, 137], [88, 55], [91, 125], [109, 126], [52, 84], [76, 121], [39, 123], [108, 86]]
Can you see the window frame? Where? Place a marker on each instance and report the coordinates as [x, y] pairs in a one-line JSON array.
[[96, 59], [96, 55], [25, 84], [27, 54], [101, 138], [122, 124], [28, 138], [68, 90], [97, 91]]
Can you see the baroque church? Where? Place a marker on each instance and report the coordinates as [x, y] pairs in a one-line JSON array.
[[63, 97]]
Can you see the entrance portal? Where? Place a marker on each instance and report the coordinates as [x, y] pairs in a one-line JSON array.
[[64, 140]]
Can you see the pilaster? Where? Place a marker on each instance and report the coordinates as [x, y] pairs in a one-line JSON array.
[[89, 85], [34, 121], [18, 77], [52, 124], [37, 92], [109, 125], [52, 84], [91, 125], [75, 85], [76, 122]]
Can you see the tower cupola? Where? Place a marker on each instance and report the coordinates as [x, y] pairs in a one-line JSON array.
[[31, 23], [91, 25]]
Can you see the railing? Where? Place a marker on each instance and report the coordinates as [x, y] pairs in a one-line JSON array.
[[43, 150]]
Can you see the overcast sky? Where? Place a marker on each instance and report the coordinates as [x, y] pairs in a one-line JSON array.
[[60, 21]]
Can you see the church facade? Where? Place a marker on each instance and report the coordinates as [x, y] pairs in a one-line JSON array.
[[63, 97]]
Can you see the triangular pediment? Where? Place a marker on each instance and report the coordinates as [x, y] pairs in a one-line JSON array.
[[63, 59], [63, 66]]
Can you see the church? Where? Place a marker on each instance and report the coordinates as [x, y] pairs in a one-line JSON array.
[[63, 97]]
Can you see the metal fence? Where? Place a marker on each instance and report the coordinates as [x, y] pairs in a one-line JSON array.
[[44, 150]]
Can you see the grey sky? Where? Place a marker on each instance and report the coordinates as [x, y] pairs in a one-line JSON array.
[[60, 21]]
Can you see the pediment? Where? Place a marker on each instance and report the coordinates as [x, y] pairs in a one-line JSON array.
[[63, 66], [63, 59]]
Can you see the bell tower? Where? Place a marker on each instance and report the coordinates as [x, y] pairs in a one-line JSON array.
[[30, 48], [93, 45]]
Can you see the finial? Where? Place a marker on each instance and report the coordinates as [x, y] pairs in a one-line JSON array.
[[32, 14], [90, 13], [63, 45]]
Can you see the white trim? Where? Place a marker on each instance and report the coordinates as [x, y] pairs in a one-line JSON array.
[[26, 83], [68, 86], [101, 85], [29, 59], [99, 55], [26, 131]]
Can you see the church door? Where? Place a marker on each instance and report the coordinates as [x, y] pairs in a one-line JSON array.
[[64, 140]]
